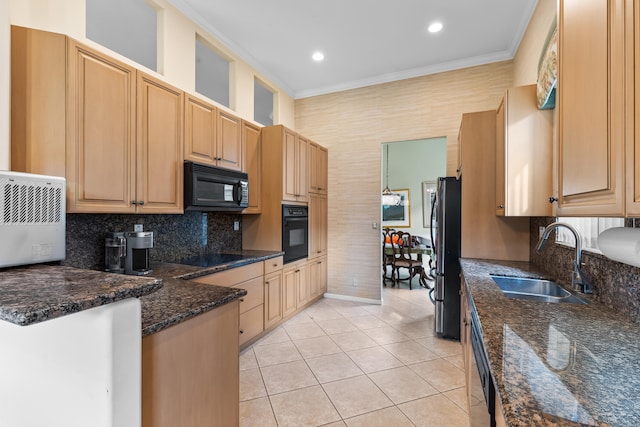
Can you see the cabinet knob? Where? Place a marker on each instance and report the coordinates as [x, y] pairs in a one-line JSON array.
[[241, 299], [553, 199], [133, 202], [241, 331], [500, 206], [141, 202]]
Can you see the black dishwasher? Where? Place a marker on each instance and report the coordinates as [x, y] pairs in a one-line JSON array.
[[481, 382]]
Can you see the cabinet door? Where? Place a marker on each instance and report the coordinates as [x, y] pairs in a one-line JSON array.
[[273, 299], [289, 185], [199, 131], [101, 133], [317, 226], [500, 165], [229, 142], [524, 155], [303, 284], [290, 295], [159, 166], [591, 107], [252, 165], [317, 169], [633, 144], [317, 277], [302, 169]]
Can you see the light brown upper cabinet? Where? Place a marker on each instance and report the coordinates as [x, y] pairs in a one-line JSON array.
[[632, 157], [524, 155], [318, 162], [159, 169], [252, 165], [212, 136], [112, 131], [592, 103], [286, 151]]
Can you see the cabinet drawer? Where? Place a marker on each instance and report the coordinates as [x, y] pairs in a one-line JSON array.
[[255, 294], [233, 276], [273, 264], [251, 323]]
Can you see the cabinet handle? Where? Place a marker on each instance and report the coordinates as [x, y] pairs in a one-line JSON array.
[[241, 299], [141, 202], [241, 331], [553, 199], [266, 283], [297, 271], [319, 252], [133, 202]]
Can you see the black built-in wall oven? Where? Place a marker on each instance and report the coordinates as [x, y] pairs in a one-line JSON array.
[[295, 232]]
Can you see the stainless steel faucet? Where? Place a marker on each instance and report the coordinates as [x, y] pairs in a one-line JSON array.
[[580, 281]]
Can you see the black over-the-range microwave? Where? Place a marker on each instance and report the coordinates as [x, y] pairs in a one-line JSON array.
[[208, 188]]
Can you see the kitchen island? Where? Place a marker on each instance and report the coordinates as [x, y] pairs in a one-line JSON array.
[[555, 364], [71, 346], [190, 344]]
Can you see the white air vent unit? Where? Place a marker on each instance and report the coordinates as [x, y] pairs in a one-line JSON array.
[[32, 218]]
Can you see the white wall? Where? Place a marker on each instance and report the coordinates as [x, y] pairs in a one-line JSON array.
[[411, 163], [177, 57], [5, 71]]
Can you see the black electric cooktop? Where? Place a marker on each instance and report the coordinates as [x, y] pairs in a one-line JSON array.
[[210, 260]]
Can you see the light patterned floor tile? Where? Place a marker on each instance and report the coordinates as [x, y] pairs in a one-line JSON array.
[[336, 326], [333, 367], [353, 340], [304, 330], [277, 336], [367, 322], [257, 413], [441, 347], [248, 359], [440, 373], [459, 397], [387, 417], [386, 335], [374, 359], [402, 384], [356, 396], [273, 354], [305, 407], [410, 352], [315, 347], [435, 410], [287, 376], [251, 385]]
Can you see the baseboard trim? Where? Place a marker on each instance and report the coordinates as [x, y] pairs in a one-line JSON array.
[[354, 299]]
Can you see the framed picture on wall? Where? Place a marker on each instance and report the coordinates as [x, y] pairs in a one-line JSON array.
[[428, 194], [397, 215]]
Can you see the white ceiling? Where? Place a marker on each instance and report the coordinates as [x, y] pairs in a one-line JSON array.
[[365, 42]]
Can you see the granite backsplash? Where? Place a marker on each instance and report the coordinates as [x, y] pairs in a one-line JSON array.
[[175, 236], [617, 285]]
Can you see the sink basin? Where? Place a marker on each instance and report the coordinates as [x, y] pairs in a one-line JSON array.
[[535, 289]]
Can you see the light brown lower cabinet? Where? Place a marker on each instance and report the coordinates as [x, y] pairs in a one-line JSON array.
[[272, 299], [190, 372]]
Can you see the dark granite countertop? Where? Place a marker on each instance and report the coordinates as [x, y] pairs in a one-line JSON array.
[[180, 299], [35, 293], [555, 364]]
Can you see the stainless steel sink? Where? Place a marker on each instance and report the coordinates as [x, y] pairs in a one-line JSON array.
[[535, 289]]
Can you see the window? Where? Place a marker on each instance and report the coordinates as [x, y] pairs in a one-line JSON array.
[[212, 73], [128, 27], [262, 104], [589, 229]]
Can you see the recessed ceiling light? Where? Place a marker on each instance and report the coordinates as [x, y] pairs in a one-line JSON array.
[[318, 56], [435, 27]]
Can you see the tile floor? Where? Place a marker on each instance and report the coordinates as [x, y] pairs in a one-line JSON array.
[[340, 363]]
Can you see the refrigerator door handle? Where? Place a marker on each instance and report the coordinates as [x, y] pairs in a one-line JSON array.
[[439, 288]]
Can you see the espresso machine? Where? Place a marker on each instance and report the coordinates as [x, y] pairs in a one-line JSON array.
[[115, 252], [128, 252], [138, 245]]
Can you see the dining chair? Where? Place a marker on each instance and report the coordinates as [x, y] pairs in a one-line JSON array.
[[387, 259], [402, 244]]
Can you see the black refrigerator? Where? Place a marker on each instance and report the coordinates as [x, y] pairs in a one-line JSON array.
[[445, 233]]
